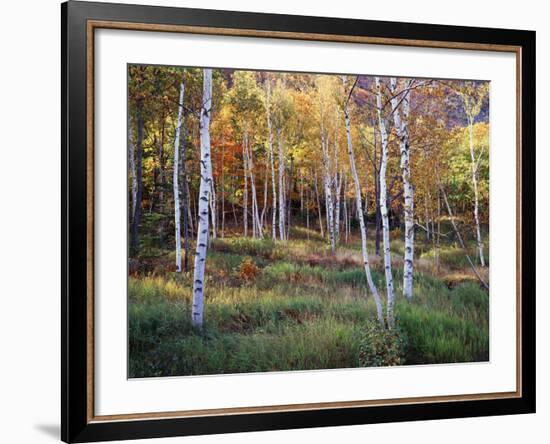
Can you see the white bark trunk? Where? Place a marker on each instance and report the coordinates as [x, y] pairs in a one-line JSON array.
[[401, 117], [384, 208], [272, 163], [476, 192], [337, 210], [359, 205], [245, 189], [319, 207], [282, 231], [255, 211], [337, 180], [177, 216], [197, 309], [327, 183]]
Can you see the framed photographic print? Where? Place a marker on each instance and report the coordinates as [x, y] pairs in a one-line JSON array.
[[276, 221]]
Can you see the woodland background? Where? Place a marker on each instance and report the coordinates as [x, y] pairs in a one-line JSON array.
[[264, 208]]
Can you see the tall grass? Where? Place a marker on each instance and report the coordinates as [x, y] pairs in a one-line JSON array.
[[306, 308]]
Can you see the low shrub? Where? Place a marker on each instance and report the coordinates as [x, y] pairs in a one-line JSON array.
[[248, 270], [381, 347]]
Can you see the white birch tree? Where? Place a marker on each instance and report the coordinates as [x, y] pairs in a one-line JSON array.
[[177, 216], [327, 179], [472, 96], [400, 102], [271, 160], [383, 206], [282, 203], [245, 188], [197, 309], [359, 209], [256, 223]]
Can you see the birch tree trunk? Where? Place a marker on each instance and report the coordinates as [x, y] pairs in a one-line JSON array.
[[197, 309], [337, 180], [264, 207], [184, 192], [384, 208], [327, 183], [338, 189], [401, 117], [360, 216], [281, 187], [177, 216], [289, 200], [319, 207], [476, 192], [245, 189], [255, 212], [272, 163]]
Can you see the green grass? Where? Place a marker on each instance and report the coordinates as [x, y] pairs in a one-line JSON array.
[[304, 309]]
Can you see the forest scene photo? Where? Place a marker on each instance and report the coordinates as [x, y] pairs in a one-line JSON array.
[[284, 221]]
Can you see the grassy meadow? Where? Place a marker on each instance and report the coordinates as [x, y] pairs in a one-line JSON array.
[[296, 305]]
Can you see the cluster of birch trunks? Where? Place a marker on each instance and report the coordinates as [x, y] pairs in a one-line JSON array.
[[252, 152]]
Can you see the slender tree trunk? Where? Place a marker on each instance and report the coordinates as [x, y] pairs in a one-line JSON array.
[[264, 208], [245, 189], [307, 211], [255, 212], [327, 184], [337, 180], [281, 187], [197, 310], [272, 164], [319, 207], [338, 189], [401, 117], [384, 208], [184, 191], [177, 216], [377, 215], [136, 220], [360, 216], [289, 200], [476, 192], [301, 196], [427, 217]]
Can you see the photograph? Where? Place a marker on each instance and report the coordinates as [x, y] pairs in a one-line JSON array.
[[283, 221]]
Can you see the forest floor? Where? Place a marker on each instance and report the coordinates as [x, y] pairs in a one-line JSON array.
[[295, 305]]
